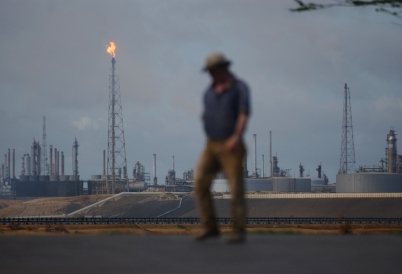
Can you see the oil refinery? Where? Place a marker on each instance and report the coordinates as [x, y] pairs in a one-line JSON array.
[[43, 173]]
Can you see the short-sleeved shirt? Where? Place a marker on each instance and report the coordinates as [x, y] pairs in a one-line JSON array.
[[222, 110]]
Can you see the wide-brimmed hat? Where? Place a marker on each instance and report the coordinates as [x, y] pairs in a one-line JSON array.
[[214, 60]]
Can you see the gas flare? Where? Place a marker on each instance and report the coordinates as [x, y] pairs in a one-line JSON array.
[[110, 49]]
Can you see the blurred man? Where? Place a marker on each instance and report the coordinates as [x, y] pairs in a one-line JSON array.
[[226, 111]]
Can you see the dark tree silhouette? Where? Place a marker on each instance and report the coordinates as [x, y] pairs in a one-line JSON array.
[[392, 7]]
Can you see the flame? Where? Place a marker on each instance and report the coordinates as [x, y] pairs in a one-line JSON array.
[[111, 49]]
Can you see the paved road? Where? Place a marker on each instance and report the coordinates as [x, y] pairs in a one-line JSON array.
[[179, 254]]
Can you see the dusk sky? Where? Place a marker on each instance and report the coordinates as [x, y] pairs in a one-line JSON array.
[[54, 63]]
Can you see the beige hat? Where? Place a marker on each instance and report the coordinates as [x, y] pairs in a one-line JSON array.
[[215, 59]]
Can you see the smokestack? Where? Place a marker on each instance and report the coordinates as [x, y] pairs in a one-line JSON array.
[[255, 154], [173, 162], [263, 171], [51, 160], [62, 163], [38, 158], [9, 164], [75, 160], [5, 167], [270, 151], [33, 163], [104, 163], [154, 169], [56, 162], [13, 163]]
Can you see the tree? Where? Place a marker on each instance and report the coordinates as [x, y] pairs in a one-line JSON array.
[[392, 7]]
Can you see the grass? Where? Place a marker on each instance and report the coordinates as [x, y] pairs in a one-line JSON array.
[[189, 229]]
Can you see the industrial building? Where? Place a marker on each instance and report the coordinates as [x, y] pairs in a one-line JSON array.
[[39, 178], [379, 179]]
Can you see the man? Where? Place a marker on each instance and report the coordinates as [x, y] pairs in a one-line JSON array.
[[226, 110]]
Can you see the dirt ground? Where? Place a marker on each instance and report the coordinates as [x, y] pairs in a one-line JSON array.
[[46, 206], [163, 229]]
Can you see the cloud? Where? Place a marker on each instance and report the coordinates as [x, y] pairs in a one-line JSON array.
[[295, 63], [85, 123]]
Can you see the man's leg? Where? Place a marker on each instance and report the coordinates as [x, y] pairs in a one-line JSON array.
[[232, 166], [207, 168]]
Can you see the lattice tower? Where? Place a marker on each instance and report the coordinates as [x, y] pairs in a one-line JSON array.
[[116, 157], [347, 162]]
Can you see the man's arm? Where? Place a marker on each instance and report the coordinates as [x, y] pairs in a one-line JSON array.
[[241, 124]]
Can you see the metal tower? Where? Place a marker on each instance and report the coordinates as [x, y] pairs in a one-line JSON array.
[[347, 162], [116, 157], [45, 166]]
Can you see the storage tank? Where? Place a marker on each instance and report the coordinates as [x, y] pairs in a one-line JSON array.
[[369, 182], [290, 184], [250, 184], [315, 181], [220, 185], [135, 186]]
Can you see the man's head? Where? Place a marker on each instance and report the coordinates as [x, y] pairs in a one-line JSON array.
[[217, 65], [215, 60]]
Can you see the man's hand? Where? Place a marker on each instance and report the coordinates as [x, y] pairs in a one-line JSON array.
[[231, 143], [233, 140]]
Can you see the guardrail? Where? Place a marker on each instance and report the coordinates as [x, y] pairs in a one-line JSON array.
[[272, 220]]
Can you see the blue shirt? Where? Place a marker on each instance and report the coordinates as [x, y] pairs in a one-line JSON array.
[[222, 110]]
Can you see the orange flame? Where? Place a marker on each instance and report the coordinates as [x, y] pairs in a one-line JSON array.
[[111, 49]]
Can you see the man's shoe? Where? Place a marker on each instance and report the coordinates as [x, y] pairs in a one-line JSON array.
[[207, 233], [236, 238]]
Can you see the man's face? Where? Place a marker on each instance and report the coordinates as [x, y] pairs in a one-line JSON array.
[[218, 73]]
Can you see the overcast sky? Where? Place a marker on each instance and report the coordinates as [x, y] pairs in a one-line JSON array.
[[53, 63]]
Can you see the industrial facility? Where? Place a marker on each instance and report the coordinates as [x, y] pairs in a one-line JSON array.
[[39, 178], [377, 179], [384, 178], [43, 173]]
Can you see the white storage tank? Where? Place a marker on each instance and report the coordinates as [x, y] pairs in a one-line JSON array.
[[136, 186], [250, 184], [369, 182], [290, 184]]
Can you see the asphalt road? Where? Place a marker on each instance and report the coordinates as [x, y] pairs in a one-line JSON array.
[[179, 254]]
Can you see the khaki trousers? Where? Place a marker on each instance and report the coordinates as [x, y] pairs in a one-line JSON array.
[[214, 159]]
